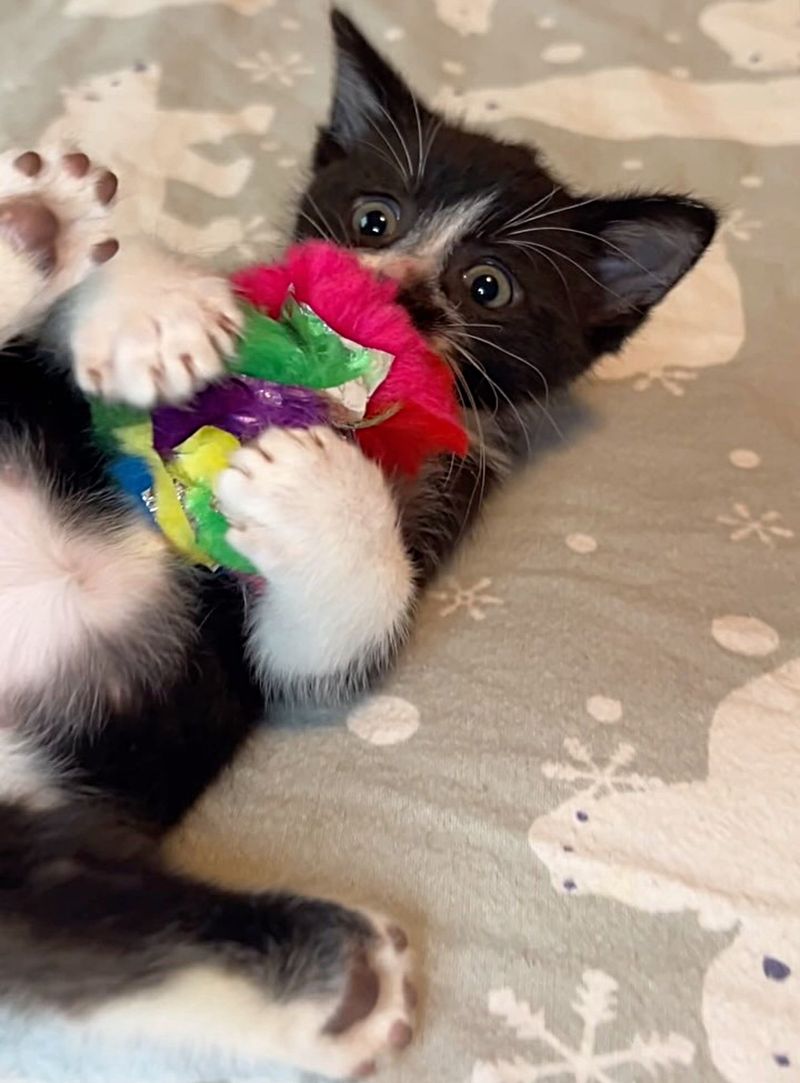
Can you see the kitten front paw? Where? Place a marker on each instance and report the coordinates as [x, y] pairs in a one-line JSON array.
[[319, 522], [303, 497], [151, 329]]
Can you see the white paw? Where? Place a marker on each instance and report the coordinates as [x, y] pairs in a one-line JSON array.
[[318, 520], [357, 1049], [348, 1007], [354, 1029], [149, 328], [294, 497], [53, 230]]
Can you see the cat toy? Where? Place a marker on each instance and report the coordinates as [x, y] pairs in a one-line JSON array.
[[324, 342]]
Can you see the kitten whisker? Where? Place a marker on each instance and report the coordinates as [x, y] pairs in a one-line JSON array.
[[433, 131], [524, 215], [420, 170], [480, 477], [524, 248], [594, 237], [345, 241], [314, 224], [318, 210], [401, 138], [514, 357], [561, 210], [538, 246], [496, 389], [475, 363], [491, 326], [543, 406], [398, 161], [380, 153]]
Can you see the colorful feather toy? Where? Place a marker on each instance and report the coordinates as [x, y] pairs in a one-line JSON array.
[[324, 342]]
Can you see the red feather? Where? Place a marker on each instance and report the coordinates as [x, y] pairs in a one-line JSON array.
[[363, 308]]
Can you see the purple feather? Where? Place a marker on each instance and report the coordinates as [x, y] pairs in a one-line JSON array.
[[241, 406]]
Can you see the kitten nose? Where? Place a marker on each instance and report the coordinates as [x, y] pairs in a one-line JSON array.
[[403, 269]]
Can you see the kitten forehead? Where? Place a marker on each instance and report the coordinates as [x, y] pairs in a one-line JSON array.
[[437, 232]]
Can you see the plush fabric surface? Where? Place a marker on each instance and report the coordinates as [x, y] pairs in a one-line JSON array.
[[581, 789]]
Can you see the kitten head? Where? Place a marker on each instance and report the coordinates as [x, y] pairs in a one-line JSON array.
[[520, 282]]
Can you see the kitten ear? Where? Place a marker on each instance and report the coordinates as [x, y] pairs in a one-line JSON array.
[[364, 86], [646, 246]]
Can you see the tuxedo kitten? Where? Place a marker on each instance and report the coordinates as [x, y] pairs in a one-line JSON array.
[[128, 681], [520, 282]]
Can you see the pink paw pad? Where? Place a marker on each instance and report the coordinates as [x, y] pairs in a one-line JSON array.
[[33, 215]]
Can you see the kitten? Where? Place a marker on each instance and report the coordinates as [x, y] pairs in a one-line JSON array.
[[128, 682]]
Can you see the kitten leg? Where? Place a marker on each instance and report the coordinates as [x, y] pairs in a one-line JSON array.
[[319, 521], [94, 928], [52, 232]]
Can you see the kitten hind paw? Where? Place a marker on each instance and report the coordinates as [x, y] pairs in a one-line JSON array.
[[54, 210], [53, 231], [373, 1017]]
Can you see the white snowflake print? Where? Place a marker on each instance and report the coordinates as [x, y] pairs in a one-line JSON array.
[[255, 235], [745, 525], [671, 379], [265, 68], [595, 1004], [592, 779], [473, 599], [738, 225]]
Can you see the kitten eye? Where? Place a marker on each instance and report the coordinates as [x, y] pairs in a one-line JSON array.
[[376, 220], [489, 285]]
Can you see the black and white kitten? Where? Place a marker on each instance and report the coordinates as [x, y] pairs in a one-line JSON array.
[[127, 682]]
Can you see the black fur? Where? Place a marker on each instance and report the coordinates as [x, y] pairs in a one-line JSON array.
[[87, 909], [87, 912]]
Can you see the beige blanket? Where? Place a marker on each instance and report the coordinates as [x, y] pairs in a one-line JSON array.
[[582, 790]]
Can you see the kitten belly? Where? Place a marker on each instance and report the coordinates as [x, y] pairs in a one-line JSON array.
[[83, 593]]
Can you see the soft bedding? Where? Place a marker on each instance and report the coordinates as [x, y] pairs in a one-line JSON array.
[[581, 788]]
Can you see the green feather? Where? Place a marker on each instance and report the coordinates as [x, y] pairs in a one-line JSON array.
[[108, 417], [211, 526], [299, 350]]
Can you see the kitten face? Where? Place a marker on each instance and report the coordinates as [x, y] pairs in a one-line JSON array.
[[520, 282]]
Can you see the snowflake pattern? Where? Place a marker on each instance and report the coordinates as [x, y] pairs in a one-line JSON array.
[[472, 599], [592, 779], [595, 1004], [266, 68], [671, 379], [745, 525]]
